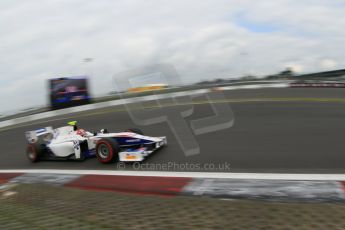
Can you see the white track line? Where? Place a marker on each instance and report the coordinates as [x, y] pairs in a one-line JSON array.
[[277, 85], [258, 176]]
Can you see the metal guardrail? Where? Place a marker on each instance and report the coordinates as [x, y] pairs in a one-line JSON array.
[[117, 102]]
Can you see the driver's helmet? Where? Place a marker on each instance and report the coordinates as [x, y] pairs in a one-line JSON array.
[[81, 132], [73, 124]]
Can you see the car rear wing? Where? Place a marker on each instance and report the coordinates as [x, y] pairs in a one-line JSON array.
[[44, 134]]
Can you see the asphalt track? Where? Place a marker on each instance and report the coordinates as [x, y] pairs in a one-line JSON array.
[[275, 130]]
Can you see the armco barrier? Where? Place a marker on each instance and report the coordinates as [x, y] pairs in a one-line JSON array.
[[101, 105], [317, 85], [95, 106]]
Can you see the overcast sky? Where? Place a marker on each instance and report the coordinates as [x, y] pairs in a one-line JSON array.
[[41, 39]]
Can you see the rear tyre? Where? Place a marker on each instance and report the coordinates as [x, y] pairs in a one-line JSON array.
[[34, 152], [107, 150], [134, 130]]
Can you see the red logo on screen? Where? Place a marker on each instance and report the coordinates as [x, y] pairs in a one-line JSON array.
[[71, 89]]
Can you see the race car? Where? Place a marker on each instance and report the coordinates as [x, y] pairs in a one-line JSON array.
[[72, 143]]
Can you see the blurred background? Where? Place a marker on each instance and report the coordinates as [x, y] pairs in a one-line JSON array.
[[208, 40]]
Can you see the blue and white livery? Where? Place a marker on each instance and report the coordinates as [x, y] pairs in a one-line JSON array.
[[71, 143]]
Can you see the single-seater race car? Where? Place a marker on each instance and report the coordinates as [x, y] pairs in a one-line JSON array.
[[72, 143]]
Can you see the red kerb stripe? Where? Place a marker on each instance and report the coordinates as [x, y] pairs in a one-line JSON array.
[[343, 183], [5, 177], [132, 184]]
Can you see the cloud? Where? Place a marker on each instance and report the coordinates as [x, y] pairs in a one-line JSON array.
[[328, 64], [203, 39]]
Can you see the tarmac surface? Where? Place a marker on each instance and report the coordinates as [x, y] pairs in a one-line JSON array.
[[291, 130]]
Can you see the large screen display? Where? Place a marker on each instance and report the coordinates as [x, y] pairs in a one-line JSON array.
[[67, 92]]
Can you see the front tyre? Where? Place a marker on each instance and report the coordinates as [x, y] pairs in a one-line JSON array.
[[34, 152], [107, 150]]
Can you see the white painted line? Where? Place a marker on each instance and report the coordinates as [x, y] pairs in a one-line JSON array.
[[276, 85], [259, 176]]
